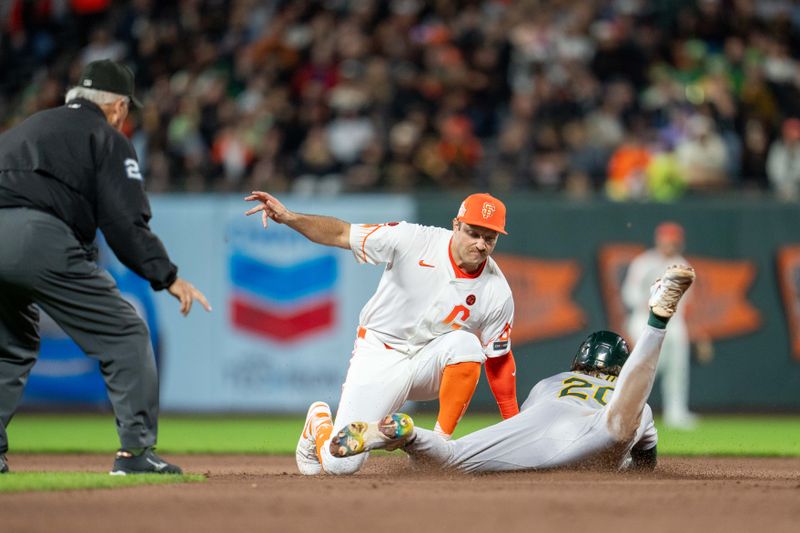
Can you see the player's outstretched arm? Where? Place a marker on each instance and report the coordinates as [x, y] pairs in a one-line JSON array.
[[320, 229]]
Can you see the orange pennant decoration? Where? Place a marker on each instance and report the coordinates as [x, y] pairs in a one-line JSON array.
[[718, 306], [542, 296]]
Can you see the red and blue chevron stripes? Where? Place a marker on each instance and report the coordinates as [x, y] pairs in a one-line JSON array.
[[281, 301]]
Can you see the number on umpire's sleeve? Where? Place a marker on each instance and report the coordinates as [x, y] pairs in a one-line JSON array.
[[132, 169]]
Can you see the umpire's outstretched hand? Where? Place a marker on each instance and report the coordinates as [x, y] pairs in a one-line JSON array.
[[186, 294]]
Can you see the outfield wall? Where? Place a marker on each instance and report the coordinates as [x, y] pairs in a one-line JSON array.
[[285, 310]]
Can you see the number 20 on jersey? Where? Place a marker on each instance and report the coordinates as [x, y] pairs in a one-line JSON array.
[[580, 388]]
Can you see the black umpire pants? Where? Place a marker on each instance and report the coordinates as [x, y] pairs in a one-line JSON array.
[[42, 263]]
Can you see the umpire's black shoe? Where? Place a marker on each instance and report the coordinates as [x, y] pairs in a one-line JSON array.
[[147, 462], [3, 464]]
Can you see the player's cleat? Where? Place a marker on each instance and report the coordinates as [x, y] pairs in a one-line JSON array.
[[3, 464], [147, 462], [667, 291], [306, 452], [390, 433]]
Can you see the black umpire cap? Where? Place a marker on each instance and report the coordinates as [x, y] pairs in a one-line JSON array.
[[110, 76]]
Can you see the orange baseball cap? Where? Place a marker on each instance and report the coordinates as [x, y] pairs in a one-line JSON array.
[[671, 231], [484, 210]]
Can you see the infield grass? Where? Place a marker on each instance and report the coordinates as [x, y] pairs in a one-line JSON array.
[[45, 481], [752, 435]]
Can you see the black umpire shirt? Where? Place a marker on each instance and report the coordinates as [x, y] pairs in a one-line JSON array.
[[70, 162]]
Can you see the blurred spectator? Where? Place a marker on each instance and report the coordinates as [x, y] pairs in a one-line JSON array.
[[508, 163], [627, 169], [616, 52], [232, 151], [783, 161], [585, 162], [102, 46], [366, 174], [702, 156], [605, 124], [458, 151], [549, 165], [317, 170], [348, 135], [400, 173], [665, 181], [754, 157]]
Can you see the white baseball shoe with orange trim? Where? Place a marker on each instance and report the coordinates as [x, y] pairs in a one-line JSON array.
[[306, 452]]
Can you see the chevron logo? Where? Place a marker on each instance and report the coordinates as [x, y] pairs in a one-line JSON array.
[[282, 289]]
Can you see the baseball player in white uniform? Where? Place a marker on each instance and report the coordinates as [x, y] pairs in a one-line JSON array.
[[442, 308], [587, 417], [674, 362]]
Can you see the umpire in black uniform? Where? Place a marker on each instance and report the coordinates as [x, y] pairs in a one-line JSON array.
[[64, 172]]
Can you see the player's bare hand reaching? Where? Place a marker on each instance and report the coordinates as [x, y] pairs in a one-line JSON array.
[[320, 229], [270, 207]]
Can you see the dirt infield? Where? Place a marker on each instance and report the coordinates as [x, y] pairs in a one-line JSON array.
[[258, 493]]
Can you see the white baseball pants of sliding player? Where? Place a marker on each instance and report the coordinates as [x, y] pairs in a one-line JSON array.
[[553, 434], [380, 380]]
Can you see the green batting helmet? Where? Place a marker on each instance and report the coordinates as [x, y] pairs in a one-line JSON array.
[[602, 350]]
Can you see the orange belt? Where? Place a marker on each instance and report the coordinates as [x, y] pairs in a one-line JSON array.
[[362, 333]]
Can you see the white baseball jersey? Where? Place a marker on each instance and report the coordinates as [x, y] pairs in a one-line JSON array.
[[423, 295]]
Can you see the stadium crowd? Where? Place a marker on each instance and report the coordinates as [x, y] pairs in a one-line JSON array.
[[635, 99]]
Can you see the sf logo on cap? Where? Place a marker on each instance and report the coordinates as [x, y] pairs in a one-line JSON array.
[[487, 210]]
